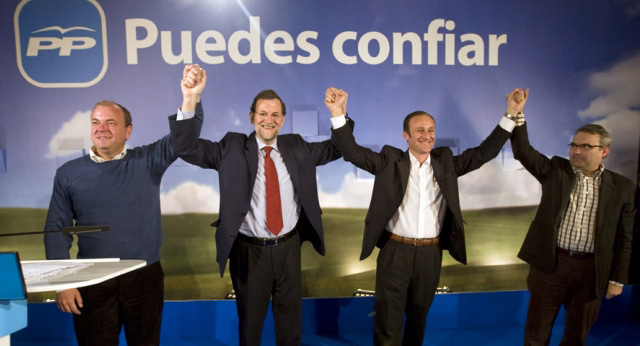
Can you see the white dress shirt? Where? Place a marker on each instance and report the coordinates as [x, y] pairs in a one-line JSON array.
[[255, 222], [422, 210]]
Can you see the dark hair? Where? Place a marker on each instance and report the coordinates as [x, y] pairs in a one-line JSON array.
[[127, 114], [405, 123], [595, 129], [268, 95]]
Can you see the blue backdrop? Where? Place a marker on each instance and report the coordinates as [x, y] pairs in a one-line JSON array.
[[454, 59]]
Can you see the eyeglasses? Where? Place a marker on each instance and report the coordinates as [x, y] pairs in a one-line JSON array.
[[584, 146]]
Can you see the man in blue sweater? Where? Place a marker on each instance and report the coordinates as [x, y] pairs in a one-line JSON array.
[[118, 187]]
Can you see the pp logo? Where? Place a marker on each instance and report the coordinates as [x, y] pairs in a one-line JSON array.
[[62, 43]]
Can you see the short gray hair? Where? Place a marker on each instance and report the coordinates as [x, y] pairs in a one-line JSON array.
[[595, 129]]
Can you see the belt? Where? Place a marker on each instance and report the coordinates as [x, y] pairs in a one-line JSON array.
[[575, 254], [415, 241], [266, 241]]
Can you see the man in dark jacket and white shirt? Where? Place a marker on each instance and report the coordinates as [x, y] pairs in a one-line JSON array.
[[414, 213]]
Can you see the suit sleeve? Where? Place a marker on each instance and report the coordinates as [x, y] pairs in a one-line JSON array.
[[161, 153], [60, 215], [533, 161], [361, 157], [326, 151], [473, 158], [323, 152], [624, 238], [189, 147]]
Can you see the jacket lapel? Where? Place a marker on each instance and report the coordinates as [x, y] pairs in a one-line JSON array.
[[289, 161], [607, 188], [438, 172], [404, 167], [567, 188], [251, 155]]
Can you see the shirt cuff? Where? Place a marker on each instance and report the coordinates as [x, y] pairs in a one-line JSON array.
[[616, 283], [520, 119], [507, 124], [339, 121], [180, 115]]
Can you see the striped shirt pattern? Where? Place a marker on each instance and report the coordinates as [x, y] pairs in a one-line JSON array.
[[579, 223]]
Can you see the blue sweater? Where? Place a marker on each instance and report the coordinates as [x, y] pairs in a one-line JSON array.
[[123, 194]]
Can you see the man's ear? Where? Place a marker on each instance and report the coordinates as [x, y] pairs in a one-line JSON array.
[[606, 151]]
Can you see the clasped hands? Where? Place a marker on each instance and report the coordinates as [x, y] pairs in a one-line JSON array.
[[336, 101]]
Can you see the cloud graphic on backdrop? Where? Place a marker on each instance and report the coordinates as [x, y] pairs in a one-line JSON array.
[[619, 87], [498, 184], [631, 7], [354, 193], [617, 109], [190, 197], [72, 138]]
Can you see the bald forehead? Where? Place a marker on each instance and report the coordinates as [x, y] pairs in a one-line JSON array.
[[422, 120], [108, 111]]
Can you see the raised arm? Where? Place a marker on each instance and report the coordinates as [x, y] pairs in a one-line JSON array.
[[192, 84], [516, 101], [473, 158], [184, 132], [336, 101], [342, 134], [533, 161]]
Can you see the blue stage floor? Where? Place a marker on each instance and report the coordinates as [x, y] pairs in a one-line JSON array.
[[495, 318]]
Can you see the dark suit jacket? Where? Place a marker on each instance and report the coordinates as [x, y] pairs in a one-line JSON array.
[[391, 167], [614, 219], [235, 157]]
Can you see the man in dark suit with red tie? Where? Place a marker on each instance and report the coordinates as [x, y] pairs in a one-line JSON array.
[[263, 221]]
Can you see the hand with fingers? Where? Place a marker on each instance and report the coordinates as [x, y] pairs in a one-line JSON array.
[[69, 301], [193, 81], [336, 101]]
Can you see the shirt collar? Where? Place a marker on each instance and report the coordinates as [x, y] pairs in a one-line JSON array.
[[595, 175], [416, 163], [98, 159], [261, 144]]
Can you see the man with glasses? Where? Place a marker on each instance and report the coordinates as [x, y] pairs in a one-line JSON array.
[[579, 244]]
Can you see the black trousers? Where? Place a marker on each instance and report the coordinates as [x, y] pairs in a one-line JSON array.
[[134, 299], [407, 278], [260, 272], [572, 284]]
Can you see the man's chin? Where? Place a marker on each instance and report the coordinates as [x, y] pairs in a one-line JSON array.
[[267, 140], [269, 135]]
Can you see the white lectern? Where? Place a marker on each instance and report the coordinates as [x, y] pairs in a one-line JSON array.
[[97, 271], [100, 269]]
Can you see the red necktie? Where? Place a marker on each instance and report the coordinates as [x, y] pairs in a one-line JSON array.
[[274, 206]]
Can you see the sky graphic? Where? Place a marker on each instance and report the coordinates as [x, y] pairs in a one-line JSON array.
[[580, 60]]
